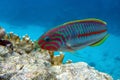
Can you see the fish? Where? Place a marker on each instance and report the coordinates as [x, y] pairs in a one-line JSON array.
[[74, 35]]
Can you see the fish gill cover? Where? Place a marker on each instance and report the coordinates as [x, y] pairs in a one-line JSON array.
[[38, 16]]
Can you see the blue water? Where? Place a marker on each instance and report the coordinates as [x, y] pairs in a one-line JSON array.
[[34, 17]]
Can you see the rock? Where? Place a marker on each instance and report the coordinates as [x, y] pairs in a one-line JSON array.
[[4, 51], [78, 71], [33, 72], [37, 66], [6, 76]]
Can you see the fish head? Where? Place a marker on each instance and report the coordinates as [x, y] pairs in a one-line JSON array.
[[49, 41]]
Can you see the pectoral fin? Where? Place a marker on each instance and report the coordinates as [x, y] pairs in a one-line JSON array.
[[100, 42], [69, 47]]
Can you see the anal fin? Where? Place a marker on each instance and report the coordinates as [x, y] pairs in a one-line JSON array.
[[100, 41]]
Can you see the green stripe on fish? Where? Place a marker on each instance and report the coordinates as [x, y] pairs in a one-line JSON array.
[[100, 42]]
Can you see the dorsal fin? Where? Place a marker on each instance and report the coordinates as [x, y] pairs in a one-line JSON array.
[[85, 20]]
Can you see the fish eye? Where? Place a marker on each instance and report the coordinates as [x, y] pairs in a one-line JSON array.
[[47, 39]]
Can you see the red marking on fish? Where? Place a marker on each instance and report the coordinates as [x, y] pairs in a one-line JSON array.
[[88, 34], [75, 33]]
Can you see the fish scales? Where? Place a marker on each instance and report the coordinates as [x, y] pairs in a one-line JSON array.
[[64, 33], [83, 27]]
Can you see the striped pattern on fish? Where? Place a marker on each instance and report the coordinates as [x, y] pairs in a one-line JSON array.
[[74, 35]]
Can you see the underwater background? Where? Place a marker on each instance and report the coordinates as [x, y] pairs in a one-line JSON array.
[[34, 17]]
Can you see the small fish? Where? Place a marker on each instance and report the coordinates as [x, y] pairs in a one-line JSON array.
[[74, 35]]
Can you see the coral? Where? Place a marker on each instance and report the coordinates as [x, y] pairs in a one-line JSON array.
[[78, 71], [24, 45], [3, 51], [6, 43], [26, 66], [37, 66], [56, 60], [2, 32]]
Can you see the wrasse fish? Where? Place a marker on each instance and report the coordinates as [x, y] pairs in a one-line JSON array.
[[74, 35]]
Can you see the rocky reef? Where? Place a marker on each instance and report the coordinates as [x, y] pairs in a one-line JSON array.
[[24, 60]]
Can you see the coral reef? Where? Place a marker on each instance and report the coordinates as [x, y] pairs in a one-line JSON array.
[[56, 60], [24, 44], [2, 32], [37, 66], [3, 42], [24, 60]]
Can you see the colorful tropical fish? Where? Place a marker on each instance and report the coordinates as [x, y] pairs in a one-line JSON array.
[[74, 35]]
